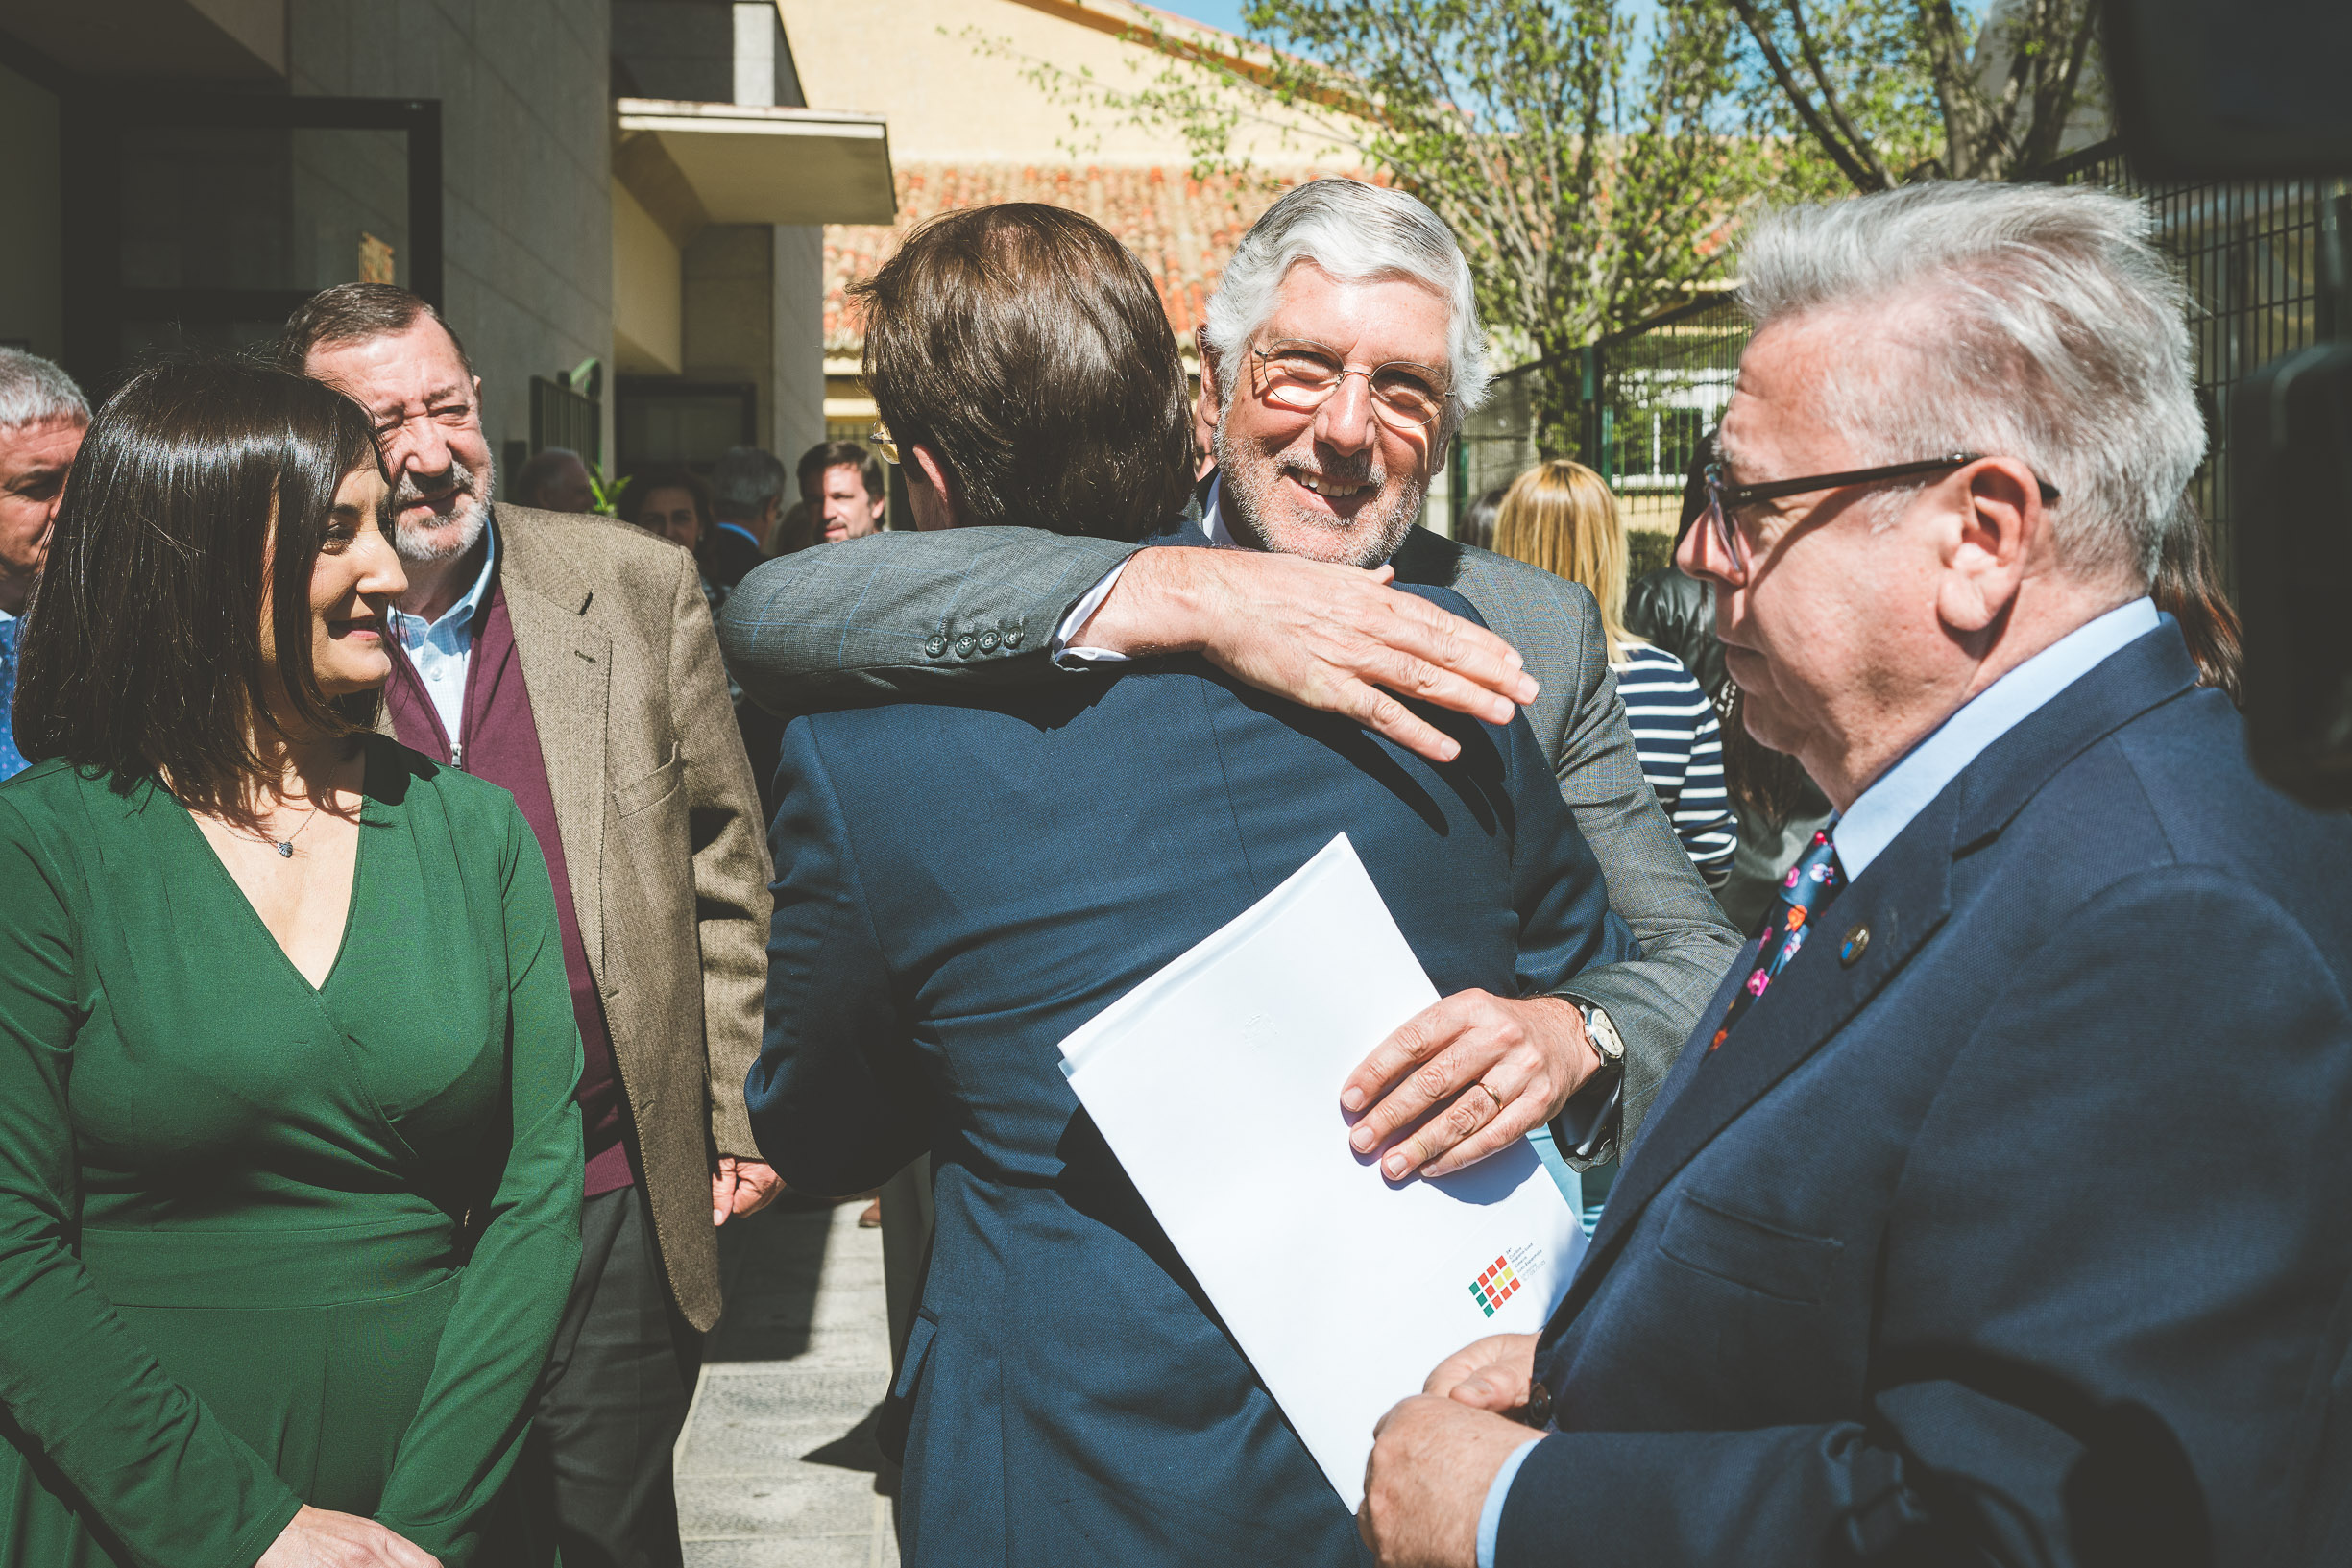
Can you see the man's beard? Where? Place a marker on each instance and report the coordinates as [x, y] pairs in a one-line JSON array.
[[1259, 513], [468, 515]]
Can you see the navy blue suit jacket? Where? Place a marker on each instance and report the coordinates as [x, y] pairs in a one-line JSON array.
[[2022, 1237], [960, 886]]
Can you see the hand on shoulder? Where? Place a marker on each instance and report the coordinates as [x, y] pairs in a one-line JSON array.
[[1329, 637]]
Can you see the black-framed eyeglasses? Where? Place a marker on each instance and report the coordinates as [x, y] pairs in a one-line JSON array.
[[1300, 377], [1724, 501]]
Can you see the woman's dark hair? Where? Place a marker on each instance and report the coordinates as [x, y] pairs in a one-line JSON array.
[[630, 508], [1029, 351], [142, 651], [1477, 524], [2187, 588]]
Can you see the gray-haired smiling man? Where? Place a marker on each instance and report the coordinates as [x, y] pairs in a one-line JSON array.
[[1341, 351]]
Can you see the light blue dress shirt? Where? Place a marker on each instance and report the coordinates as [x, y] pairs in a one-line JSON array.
[[1899, 794], [1902, 792], [441, 650], [12, 760]]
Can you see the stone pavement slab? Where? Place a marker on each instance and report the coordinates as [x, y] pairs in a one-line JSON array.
[[777, 1467]]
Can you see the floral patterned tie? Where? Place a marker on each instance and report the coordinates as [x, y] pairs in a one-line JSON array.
[[1804, 893]]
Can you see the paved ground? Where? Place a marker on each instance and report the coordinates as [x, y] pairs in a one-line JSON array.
[[778, 1467]]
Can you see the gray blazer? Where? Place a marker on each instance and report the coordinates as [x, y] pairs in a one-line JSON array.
[[888, 615]]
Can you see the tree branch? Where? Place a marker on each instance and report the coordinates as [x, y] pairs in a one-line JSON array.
[[1829, 97], [1856, 170]]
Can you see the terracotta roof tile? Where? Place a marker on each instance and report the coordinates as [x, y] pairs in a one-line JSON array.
[[1182, 228]]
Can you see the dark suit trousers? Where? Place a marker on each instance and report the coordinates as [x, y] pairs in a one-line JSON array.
[[596, 1476]]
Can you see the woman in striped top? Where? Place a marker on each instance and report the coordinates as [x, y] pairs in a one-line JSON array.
[[1560, 516]]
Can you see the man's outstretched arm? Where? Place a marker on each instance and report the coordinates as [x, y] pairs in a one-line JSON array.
[[895, 613]]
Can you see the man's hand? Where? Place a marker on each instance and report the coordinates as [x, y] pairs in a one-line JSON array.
[[741, 1186], [1491, 1374], [1493, 1070], [1426, 1481], [319, 1539], [1329, 637]]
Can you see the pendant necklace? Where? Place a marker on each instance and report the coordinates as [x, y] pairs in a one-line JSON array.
[[285, 846]]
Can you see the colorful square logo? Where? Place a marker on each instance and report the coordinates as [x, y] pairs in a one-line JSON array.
[[1494, 1287]]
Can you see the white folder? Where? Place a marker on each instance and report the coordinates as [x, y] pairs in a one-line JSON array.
[[1217, 1084]]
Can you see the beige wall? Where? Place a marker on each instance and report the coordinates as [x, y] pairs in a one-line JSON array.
[[799, 419], [952, 100], [646, 291]]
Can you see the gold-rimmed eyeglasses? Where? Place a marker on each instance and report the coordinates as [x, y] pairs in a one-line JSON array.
[[1300, 377], [884, 446]]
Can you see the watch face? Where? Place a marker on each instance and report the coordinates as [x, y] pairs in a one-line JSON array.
[[1602, 1033]]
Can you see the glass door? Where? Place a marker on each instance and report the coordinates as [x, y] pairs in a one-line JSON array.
[[202, 219]]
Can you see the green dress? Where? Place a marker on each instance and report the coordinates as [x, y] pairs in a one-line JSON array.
[[262, 1244]]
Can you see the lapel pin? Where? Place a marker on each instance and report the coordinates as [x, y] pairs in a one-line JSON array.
[[1858, 943]]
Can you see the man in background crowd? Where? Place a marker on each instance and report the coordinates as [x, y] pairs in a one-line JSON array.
[[571, 661], [555, 480], [842, 483], [747, 490], [42, 416]]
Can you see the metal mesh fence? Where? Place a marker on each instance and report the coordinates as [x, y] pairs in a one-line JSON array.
[[2250, 255], [2251, 258], [1651, 393]]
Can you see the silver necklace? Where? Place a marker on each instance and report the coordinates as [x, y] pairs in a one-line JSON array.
[[285, 846]]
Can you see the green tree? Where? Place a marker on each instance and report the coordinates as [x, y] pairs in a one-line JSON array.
[[1589, 160], [1881, 92]]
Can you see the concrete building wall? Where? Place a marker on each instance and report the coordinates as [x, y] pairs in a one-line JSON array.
[[799, 422], [646, 290], [31, 258], [730, 311], [526, 195]]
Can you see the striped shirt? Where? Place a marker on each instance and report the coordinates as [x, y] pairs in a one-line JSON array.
[[1681, 747]]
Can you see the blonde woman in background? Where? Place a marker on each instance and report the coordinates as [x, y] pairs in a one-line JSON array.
[[1560, 516]]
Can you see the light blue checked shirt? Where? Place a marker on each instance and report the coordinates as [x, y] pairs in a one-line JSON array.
[[443, 649], [12, 760]]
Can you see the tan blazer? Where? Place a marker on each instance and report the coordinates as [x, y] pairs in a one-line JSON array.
[[663, 840]]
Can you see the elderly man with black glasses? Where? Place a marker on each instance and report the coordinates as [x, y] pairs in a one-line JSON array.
[[1999, 1208]]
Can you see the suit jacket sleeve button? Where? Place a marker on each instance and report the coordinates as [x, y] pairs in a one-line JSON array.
[[936, 646], [988, 642], [965, 646], [1012, 637]]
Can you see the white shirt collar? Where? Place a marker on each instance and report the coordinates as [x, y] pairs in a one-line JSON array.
[[1213, 517], [1902, 792]]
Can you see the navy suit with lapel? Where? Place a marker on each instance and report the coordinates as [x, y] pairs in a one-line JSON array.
[[962, 884], [2018, 1231]]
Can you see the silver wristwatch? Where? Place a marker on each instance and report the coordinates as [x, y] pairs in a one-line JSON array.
[[1604, 1035]]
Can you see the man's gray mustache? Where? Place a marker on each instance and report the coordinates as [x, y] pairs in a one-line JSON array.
[[461, 482]]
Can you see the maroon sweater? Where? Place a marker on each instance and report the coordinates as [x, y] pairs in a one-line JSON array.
[[502, 744]]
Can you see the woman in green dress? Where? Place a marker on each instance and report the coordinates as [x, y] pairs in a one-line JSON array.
[[289, 1165]]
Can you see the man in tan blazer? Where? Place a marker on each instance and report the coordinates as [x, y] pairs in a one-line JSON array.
[[570, 659]]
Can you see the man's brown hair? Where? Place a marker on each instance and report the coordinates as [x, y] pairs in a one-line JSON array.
[[355, 313], [1026, 349]]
